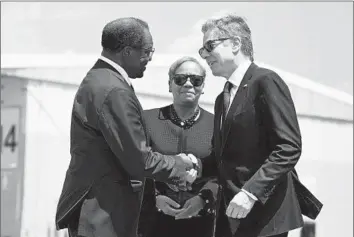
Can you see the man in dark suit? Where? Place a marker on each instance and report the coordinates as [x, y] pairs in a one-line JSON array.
[[110, 154], [256, 141]]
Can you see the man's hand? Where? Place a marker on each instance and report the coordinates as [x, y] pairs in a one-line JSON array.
[[186, 180], [188, 164], [191, 208], [198, 165], [185, 172], [167, 205], [191, 176], [240, 206]]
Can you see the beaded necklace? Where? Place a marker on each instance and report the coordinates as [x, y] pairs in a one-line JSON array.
[[186, 124]]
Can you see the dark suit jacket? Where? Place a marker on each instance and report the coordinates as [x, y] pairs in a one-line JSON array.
[[109, 148], [256, 149]]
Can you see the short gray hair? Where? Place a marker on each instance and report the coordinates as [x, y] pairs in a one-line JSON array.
[[232, 25], [182, 60], [122, 32]]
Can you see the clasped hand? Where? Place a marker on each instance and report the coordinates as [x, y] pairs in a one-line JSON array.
[[188, 174], [191, 207]]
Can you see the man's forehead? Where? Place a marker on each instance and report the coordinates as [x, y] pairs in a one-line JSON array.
[[211, 34], [148, 41]]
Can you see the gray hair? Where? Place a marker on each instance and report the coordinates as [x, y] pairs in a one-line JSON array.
[[122, 32], [232, 25], [180, 61]]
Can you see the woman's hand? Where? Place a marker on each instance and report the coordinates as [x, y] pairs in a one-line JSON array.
[[167, 205], [191, 208]]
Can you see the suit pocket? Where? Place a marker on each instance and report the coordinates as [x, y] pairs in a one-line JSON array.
[[137, 185]]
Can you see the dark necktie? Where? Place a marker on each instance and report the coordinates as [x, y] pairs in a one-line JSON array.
[[227, 95]]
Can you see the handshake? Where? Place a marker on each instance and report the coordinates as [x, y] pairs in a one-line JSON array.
[[186, 169]]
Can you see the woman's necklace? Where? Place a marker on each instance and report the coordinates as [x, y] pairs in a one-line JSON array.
[[185, 124]]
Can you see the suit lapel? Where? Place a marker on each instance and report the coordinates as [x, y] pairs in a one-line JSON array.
[[237, 103], [217, 120]]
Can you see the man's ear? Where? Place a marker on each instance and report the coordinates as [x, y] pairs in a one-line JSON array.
[[236, 44], [127, 51]]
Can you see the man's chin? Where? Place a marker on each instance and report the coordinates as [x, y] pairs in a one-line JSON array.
[[215, 73], [137, 76], [140, 75]]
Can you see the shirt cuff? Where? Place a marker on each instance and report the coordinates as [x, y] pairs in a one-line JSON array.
[[250, 195]]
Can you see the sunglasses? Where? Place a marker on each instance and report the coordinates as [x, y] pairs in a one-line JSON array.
[[181, 79], [210, 45]]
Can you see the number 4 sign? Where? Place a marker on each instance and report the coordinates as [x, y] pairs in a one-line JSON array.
[[10, 121]]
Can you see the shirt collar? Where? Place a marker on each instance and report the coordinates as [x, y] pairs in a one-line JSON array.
[[237, 76], [118, 68]]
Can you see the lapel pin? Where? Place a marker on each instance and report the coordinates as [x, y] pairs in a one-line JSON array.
[[245, 85]]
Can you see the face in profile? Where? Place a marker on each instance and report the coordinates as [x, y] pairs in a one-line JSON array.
[[138, 58], [187, 84], [219, 53]]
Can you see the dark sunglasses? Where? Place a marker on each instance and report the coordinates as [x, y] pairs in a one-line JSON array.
[[181, 79], [210, 45]]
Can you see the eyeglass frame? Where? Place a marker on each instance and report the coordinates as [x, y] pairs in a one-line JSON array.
[[201, 50], [148, 51], [188, 77]]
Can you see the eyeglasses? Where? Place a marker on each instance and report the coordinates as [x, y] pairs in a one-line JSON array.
[[210, 45], [181, 79], [148, 52]]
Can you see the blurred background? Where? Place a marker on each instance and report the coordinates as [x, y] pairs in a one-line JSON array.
[[47, 48]]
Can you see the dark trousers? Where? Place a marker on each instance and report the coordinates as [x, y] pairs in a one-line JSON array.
[[167, 226]]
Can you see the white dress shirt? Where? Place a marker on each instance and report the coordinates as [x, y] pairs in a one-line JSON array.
[[118, 68], [235, 79]]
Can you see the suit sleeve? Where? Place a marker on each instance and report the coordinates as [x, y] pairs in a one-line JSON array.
[[208, 164], [283, 134], [120, 120], [209, 169]]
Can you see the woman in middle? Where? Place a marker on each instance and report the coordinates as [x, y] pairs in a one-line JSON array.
[[181, 127]]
